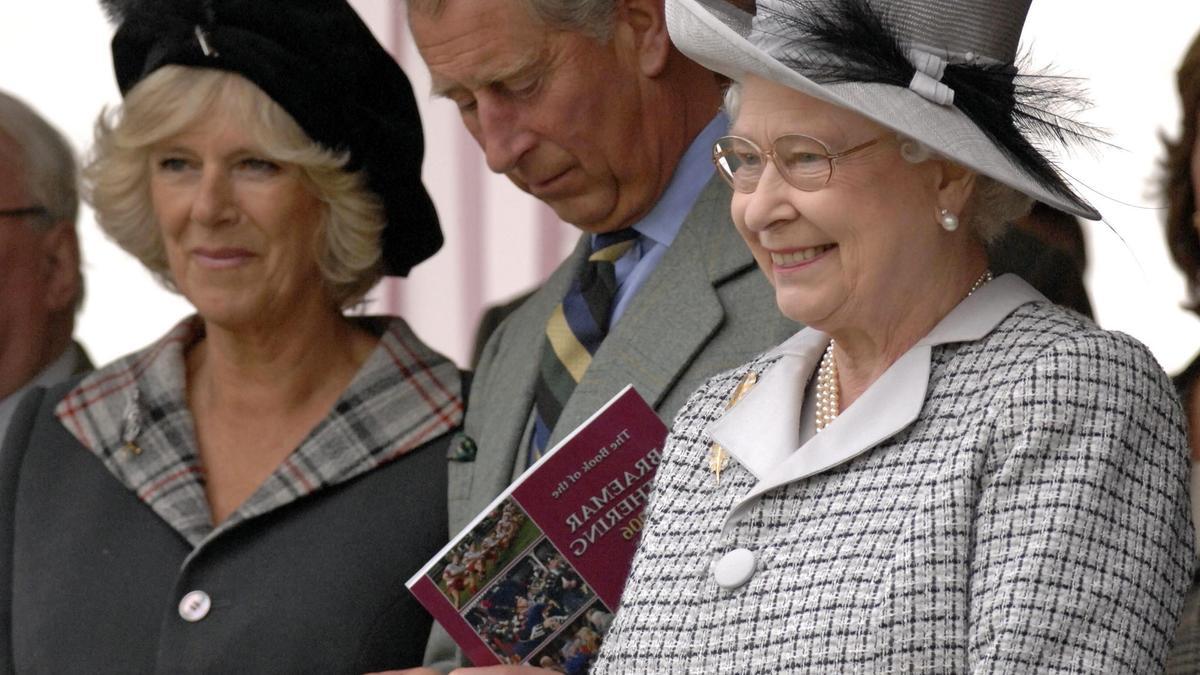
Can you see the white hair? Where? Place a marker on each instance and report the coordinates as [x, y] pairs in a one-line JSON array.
[[591, 17], [51, 174]]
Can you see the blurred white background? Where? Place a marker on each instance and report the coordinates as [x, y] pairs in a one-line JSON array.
[[54, 54]]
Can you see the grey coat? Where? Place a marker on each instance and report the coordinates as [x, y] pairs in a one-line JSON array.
[[1010, 496], [706, 308]]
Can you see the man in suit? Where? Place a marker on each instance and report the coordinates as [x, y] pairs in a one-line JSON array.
[[589, 107], [40, 282]]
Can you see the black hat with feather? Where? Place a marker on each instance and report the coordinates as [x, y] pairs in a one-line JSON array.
[[320, 62], [942, 72]]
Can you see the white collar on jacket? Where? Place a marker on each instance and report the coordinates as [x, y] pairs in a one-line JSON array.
[[762, 431]]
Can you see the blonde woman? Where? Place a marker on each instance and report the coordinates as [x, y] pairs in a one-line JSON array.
[[249, 493]]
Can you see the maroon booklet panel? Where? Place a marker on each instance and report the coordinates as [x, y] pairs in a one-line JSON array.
[[536, 577]]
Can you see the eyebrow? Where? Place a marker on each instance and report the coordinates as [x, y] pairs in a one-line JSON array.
[[442, 89]]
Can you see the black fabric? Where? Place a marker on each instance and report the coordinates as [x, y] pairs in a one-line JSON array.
[[320, 62], [1052, 272], [1186, 380], [91, 578]]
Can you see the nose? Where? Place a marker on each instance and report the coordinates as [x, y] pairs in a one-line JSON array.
[[213, 202], [502, 133], [770, 202]]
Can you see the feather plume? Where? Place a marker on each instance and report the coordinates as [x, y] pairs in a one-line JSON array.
[[849, 41]]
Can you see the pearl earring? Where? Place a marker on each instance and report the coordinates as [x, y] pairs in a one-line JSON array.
[[949, 220]]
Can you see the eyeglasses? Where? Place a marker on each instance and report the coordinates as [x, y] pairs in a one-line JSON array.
[[803, 161], [23, 211]]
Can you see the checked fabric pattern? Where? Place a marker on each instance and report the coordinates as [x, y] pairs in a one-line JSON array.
[[1033, 519], [403, 396], [574, 333]]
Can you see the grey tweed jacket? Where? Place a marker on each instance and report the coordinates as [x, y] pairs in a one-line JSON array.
[[1011, 496]]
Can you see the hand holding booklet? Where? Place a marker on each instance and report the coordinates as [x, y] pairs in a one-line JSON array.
[[536, 577]]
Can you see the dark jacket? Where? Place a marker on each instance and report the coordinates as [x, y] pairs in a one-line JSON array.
[[109, 562], [91, 579]]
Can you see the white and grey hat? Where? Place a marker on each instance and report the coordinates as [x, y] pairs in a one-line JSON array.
[[939, 71]]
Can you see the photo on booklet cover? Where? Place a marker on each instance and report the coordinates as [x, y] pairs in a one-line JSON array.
[[573, 649], [494, 543], [528, 604]]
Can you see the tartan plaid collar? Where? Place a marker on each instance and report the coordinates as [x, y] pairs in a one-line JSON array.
[[133, 416]]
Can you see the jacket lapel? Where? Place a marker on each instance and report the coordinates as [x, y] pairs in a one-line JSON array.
[[672, 317], [762, 431], [510, 380]]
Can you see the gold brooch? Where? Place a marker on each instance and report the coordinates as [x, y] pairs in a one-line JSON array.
[[718, 457]]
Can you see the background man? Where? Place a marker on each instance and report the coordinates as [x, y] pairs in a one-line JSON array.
[[586, 105], [40, 282]]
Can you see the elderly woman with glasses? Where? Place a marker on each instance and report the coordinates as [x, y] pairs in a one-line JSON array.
[[944, 471], [249, 493]]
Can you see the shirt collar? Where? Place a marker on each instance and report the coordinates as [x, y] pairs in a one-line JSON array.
[[761, 431], [59, 370], [971, 319], [133, 416], [695, 169]]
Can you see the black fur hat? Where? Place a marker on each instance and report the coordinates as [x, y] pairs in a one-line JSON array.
[[320, 62]]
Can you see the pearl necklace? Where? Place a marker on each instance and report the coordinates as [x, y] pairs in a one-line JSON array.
[[829, 392]]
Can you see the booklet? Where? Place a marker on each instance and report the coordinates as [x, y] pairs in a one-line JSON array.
[[536, 577]]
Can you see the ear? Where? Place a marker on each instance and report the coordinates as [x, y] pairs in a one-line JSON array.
[[956, 184], [59, 266], [643, 24]]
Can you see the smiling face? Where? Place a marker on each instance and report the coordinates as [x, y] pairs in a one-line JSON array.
[[239, 228], [863, 248], [562, 114]]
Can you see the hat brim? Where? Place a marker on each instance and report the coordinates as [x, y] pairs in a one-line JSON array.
[[716, 35]]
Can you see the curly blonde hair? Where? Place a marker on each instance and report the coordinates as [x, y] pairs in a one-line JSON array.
[[172, 99]]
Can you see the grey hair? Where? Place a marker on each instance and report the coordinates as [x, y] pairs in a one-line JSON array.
[[992, 206], [171, 99], [51, 174], [591, 17], [733, 99]]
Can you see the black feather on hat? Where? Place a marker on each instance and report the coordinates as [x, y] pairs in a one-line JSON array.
[[851, 41], [320, 62]]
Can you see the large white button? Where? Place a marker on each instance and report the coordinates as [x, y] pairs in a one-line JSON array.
[[734, 568], [194, 606]]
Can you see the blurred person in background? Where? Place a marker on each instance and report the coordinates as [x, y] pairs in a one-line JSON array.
[[1046, 248], [1180, 186], [41, 286], [249, 493]]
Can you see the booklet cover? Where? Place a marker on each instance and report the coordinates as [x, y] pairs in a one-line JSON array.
[[535, 578]]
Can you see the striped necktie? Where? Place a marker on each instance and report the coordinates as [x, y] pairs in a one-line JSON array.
[[574, 333]]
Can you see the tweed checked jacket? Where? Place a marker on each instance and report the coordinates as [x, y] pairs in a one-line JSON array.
[[105, 528], [1010, 496]]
